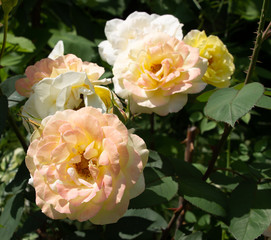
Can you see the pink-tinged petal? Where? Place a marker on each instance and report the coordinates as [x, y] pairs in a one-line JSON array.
[[107, 184], [60, 153], [138, 187], [63, 206], [140, 148], [105, 216], [42, 156], [113, 121], [52, 128], [85, 212], [49, 209], [90, 151], [24, 87], [94, 128], [114, 135], [104, 159]]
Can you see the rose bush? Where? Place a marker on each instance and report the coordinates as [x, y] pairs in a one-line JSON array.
[[157, 72], [220, 61], [121, 33], [56, 64], [86, 165]]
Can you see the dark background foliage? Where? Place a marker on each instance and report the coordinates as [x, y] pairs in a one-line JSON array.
[[237, 195]]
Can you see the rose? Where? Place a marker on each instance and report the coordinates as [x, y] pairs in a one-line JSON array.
[[220, 61], [56, 64], [86, 166], [157, 72], [70, 90], [121, 33]]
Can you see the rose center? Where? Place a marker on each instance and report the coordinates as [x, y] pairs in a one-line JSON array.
[[82, 168], [155, 67]]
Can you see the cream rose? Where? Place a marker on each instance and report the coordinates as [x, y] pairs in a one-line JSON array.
[[70, 90], [86, 166], [157, 72], [56, 64], [220, 61], [121, 33]]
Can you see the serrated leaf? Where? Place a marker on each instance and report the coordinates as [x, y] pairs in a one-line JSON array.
[[264, 102], [228, 104], [203, 195], [250, 211]]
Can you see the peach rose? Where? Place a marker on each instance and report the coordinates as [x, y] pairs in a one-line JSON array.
[[86, 165], [121, 33], [56, 64], [157, 73]]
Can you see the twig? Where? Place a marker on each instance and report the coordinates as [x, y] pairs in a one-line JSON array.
[[173, 219], [217, 151], [258, 42], [190, 138]]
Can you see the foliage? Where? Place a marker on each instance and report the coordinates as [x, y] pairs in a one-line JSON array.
[[213, 185]]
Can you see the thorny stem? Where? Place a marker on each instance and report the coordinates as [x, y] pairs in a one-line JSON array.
[[190, 138], [179, 212], [258, 42], [173, 220], [217, 151]]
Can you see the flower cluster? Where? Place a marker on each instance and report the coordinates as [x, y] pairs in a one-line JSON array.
[[156, 68], [85, 164]]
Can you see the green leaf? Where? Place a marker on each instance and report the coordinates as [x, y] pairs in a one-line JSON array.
[[80, 46], [228, 104], [203, 195], [159, 189], [4, 112], [205, 96], [18, 44], [154, 160], [12, 59], [10, 217], [250, 211], [8, 5], [8, 86], [135, 223], [264, 102], [206, 125], [192, 236], [195, 117]]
